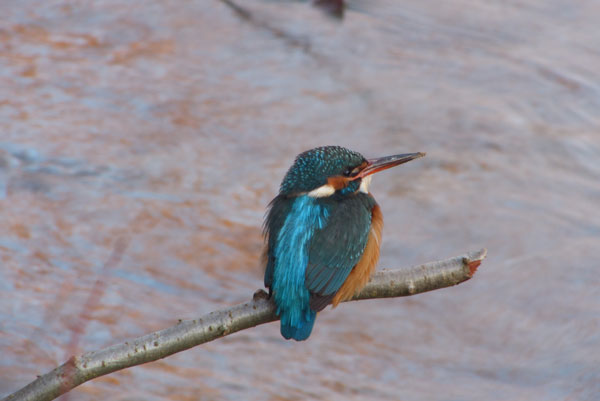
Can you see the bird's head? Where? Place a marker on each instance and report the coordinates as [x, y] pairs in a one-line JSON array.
[[327, 170]]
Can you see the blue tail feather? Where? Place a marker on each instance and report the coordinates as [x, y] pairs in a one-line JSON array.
[[301, 329]]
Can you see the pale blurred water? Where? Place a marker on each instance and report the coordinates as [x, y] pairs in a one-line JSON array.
[[170, 124]]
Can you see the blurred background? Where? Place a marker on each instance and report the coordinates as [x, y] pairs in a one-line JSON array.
[[167, 126]]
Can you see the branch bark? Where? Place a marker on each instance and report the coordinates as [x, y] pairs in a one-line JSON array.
[[189, 333]]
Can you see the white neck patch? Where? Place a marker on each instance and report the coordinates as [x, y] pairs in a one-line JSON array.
[[322, 191], [364, 184], [328, 190]]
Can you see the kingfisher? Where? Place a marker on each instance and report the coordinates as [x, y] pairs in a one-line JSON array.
[[322, 233]]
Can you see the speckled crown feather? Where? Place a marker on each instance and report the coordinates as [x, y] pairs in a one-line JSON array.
[[312, 168]]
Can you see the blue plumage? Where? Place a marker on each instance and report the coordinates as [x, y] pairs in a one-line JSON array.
[[291, 255]]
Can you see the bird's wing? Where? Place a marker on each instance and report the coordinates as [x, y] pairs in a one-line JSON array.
[[336, 248]]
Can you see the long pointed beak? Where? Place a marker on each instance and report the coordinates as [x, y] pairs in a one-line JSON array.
[[383, 163]]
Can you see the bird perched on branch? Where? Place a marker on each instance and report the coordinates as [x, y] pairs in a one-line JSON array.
[[322, 232]]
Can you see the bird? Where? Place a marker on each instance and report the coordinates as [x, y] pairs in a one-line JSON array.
[[322, 234]]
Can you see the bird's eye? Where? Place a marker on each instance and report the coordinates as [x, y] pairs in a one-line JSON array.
[[351, 172]]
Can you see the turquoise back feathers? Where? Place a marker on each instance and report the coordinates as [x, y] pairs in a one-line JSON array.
[[291, 252]]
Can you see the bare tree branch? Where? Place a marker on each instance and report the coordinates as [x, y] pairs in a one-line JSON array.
[[189, 333]]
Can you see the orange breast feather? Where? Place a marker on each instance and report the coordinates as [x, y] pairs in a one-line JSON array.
[[359, 276]]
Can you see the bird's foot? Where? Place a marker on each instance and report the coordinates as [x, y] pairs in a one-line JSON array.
[[260, 294]]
